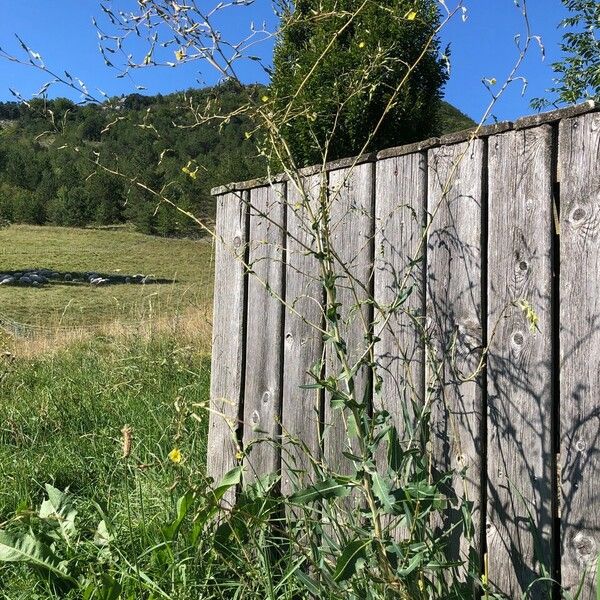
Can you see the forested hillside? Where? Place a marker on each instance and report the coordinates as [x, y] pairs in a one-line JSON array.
[[49, 149]]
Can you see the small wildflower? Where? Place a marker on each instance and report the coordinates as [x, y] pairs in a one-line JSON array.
[[180, 54], [175, 456], [239, 455], [126, 438], [265, 98], [412, 15], [361, 45]]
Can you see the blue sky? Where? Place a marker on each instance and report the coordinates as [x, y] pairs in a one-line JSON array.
[[482, 46]]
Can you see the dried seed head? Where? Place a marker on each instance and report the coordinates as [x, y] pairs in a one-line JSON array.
[[126, 438]]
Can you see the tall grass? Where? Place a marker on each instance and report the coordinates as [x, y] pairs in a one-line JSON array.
[[61, 416]]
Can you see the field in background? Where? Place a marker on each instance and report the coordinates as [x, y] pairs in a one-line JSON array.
[[187, 263], [98, 359]]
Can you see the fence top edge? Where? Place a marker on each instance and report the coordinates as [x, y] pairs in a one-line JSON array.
[[445, 140]]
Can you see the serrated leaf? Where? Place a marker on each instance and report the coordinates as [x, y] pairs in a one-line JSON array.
[[323, 490], [26, 549], [346, 564]]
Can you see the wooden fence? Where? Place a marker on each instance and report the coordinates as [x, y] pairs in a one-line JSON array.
[[517, 217]]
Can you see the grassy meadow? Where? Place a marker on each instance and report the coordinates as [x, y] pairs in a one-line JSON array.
[[184, 264], [96, 360]]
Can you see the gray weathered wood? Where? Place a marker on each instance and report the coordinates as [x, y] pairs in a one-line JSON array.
[[579, 176], [401, 197], [454, 312], [519, 411], [264, 352], [303, 339], [228, 331], [351, 222]]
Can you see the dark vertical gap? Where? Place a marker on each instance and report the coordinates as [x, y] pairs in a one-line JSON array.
[[281, 337], [371, 287], [555, 342], [245, 198], [483, 429], [424, 221], [322, 394]]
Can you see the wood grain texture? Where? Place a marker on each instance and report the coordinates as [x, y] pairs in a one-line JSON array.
[[454, 311], [401, 198], [519, 413], [351, 221], [303, 341], [579, 176], [228, 335], [264, 351]]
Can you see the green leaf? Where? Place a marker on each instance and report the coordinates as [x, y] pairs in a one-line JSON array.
[[184, 503], [109, 588], [334, 487], [310, 585], [26, 549], [382, 492], [59, 506], [346, 564], [231, 479]]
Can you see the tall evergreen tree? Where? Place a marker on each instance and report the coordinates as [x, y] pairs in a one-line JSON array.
[[340, 65]]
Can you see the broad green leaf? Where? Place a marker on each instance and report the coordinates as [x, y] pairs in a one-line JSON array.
[[382, 492], [184, 503], [102, 535], [26, 549], [323, 490], [59, 506], [346, 564], [231, 479]]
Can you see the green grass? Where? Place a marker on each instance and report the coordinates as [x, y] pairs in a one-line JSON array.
[[67, 390], [61, 418], [118, 251]]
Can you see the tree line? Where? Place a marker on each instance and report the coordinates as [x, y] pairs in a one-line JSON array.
[[56, 157]]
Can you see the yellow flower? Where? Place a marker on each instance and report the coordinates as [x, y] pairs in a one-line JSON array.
[[239, 455], [361, 45], [180, 54], [265, 98], [175, 456], [412, 15]]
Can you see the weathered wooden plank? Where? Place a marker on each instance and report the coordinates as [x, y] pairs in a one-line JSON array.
[[264, 350], [228, 335], [401, 198], [519, 373], [579, 176], [351, 222], [301, 419], [454, 312]]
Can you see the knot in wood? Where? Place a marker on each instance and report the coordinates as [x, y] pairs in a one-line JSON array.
[[237, 241], [578, 214], [255, 418], [585, 548], [580, 445], [266, 397], [518, 338]]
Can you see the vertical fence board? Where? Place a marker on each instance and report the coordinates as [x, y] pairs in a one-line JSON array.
[[228, 334], [401, 196], [351, 218], [454, 311], [579, 176], [519, 421], [303, 340], [264, 353]]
